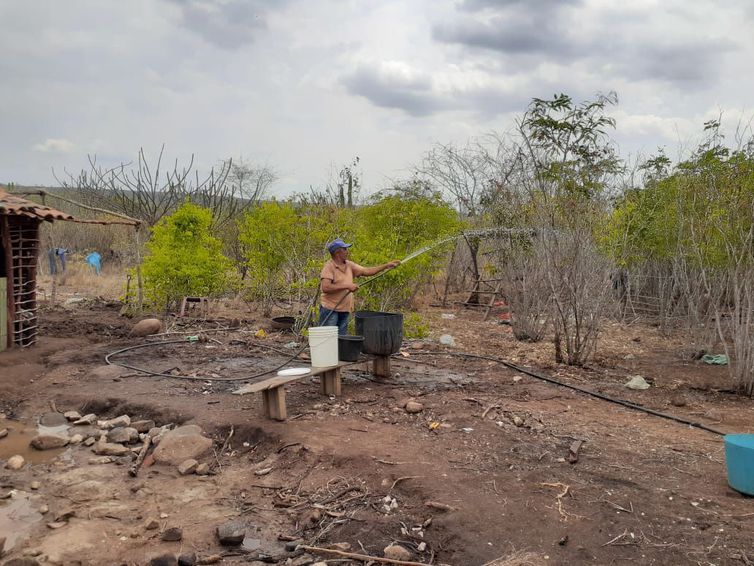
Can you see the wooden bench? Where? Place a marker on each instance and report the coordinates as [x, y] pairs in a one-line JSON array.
[[273, 388]]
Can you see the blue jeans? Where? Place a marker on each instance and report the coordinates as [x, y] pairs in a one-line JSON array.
[[329, 317]]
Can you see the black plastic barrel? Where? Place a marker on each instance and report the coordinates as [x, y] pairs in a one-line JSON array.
[[349, 348], [382, 331]]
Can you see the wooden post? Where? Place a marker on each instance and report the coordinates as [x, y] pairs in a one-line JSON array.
[[10, 307], [381, 366], [3, 313], [331, 383], [139, 280], [274, 403]]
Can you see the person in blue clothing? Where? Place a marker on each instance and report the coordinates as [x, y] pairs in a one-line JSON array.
[[95, 260]]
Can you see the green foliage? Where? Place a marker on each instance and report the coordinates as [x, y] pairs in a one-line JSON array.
[[702, 212], [392, 227], [414, 326], [184, 259]]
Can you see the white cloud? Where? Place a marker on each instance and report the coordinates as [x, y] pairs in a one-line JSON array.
[[55, 145]]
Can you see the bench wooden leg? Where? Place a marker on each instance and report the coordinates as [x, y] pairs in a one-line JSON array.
[[274, 403], [331, 382], [381, 366]]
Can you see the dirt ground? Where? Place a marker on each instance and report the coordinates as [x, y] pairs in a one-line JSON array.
[[489, 451]]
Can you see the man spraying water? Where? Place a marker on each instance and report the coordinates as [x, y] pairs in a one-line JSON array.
[[337, 285]]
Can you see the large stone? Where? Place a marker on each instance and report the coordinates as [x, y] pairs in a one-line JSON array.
[[3, 432], [164, 560], [142, 426], [172, 534], [413, 407], [53, 419], [397, 552], [110, 449], [123, 420], [89, 419], [72, 415], [202, 469], [147, 327], [231, 533], [180, 444], [76, 439], [15, 462], [123, 434], [187, 467], [48, 441], [187, 559]]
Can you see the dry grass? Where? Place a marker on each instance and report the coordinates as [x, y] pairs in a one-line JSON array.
[[80, 280]]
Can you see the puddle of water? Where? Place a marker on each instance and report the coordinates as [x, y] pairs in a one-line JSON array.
[[19, 436], [18, 515]]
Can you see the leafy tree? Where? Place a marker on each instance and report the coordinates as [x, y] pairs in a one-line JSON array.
[[184, 259]]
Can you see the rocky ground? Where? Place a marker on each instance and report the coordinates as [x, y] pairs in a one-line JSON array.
[[451, 461]]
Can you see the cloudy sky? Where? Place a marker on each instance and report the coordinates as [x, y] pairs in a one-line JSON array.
[[306, 85]]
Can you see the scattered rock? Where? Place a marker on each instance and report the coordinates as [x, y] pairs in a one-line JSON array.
[[123, 420], [187, 467], [210, 559], [43, 509], [3, 432], [202, 469], [187, 559], [89, 419], [181, 444], [152, 524], [447, 340], [637, 382], [231, 533], [72, 415], [35, 485], [397, 552], [15, 462], [76, 439], [48, 441], [517, 378], [518, 421], [678, 401], [123, 434], [164, 560], [413, 407], [109, 449], [147, 327], [262, 472], [342, 546], [172, 534], [142, 425], [53, 419], [88, 442]]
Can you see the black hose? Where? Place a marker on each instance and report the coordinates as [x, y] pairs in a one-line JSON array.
[[602, 396]]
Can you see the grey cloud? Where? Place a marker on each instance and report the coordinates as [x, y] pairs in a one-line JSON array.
[[514, 34], [684, 64], [474, 5], [410, 94], [228, 24]]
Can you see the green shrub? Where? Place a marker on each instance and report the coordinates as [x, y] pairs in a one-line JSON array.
[[414, 326], [184, 259]]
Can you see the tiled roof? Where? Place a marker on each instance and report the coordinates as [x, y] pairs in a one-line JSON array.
[[14, 205]]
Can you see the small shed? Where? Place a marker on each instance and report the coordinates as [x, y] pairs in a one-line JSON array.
[[19, 251]]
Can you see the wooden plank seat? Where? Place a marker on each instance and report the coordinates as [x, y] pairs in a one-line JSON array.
[[273, 388]]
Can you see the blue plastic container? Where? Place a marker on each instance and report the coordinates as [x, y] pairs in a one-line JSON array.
[[739, 458]]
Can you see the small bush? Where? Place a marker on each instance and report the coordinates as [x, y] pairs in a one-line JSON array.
[[414, 326]]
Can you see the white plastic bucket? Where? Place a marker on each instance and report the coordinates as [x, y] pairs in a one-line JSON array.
[[323, 344]]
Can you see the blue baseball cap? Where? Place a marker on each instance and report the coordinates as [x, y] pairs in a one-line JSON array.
[[336, 244]]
